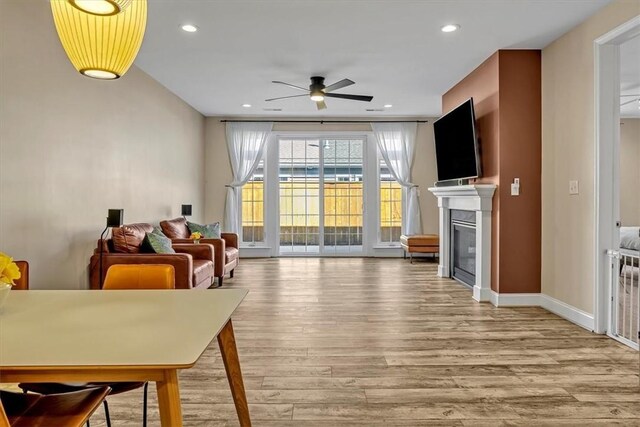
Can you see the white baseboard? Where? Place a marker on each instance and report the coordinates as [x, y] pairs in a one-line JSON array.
[[569, 312], [442, 271], [514, 300], [255, 252], [564, 310]]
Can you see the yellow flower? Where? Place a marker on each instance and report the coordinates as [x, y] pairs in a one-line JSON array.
[[9, 271], [196, 236]]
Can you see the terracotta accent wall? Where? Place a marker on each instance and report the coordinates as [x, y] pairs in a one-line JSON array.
[[506, 89]]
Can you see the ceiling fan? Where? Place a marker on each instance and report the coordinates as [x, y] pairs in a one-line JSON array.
[[636, 98], [318, 91]]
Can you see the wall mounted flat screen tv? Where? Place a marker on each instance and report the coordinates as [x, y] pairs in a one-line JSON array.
[[457, 153]]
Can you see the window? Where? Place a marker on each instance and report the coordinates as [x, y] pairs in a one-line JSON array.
[[390, 206], [253, 208]]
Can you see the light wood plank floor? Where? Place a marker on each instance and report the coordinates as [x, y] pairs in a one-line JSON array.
[[381, 342]]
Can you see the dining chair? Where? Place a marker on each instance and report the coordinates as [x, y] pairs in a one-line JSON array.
[[119, 277], [54, 410]]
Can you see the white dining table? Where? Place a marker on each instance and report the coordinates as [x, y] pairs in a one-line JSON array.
[[127, 335]]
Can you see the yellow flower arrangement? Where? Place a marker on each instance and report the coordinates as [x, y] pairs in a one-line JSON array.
[[9, 271], [196, 236]]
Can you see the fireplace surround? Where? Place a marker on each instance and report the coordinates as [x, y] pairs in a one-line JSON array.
[[474, 201]]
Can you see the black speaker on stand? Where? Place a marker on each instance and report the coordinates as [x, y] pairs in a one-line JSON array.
[[114, 219]]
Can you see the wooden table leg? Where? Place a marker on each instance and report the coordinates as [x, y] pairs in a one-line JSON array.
[[169, 400], [227, 343]]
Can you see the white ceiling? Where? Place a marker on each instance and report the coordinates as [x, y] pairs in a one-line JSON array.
[[630, 77], [393, 49]]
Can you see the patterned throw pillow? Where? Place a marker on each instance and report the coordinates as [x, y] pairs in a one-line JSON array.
[[158, 230], [208, 231], [156, 243]]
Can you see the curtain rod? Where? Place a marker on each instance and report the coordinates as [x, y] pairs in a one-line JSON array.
[[325, 121]]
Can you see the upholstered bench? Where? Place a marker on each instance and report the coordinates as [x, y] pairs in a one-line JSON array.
[[420, 243]]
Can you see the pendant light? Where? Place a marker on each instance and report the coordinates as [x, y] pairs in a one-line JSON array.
[[102, 47], [101, 7]]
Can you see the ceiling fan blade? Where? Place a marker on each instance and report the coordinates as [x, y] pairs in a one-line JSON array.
[[290, 85], [339, 85], [285, 97], [321, 105], [351, 97], [629, 102]]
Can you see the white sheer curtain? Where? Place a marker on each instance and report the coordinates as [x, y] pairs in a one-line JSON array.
[[246, 142], [397, 142]]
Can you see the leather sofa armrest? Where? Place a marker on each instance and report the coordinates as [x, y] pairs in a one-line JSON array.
[[218, 254], [181, 262], [200, 251], [231, 239], [181, 241]]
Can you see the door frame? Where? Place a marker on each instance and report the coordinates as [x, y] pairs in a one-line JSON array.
[[607, 160], [273, 189]]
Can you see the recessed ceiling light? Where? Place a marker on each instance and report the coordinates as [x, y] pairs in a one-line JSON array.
[[189, 28], [449, 28], [388, 105], [246, 105]]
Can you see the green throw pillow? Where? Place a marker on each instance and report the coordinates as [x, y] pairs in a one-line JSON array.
[[156, 243], [158, 230], [208, 231]]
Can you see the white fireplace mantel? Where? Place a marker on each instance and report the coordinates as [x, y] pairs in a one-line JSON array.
[[477, 198]]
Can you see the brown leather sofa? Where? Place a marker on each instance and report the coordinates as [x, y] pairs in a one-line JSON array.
[[193, 264], [226, 251]]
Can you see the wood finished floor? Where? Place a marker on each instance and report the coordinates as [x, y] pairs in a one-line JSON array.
[[381, 342]]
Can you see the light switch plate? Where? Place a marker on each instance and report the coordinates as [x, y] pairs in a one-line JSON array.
[[515, 189], [573, 187]]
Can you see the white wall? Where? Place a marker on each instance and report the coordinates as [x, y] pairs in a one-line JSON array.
[[218, 171], [72, 147], [630, 172], [568, 153]]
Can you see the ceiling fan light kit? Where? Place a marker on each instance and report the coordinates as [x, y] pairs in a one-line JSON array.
[[100, 46], [317, 91]]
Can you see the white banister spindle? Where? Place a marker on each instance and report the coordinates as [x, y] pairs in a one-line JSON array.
[[625, 297]]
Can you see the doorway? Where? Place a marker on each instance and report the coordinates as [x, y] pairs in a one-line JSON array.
[[321, 196], [615, 311]]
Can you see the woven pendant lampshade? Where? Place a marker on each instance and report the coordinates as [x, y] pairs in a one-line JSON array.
[[102, 47], [101, 7]]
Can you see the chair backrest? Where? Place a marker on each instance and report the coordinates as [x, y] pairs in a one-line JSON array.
[[140, 276], [175, 228], [66, 409], [22, 284]]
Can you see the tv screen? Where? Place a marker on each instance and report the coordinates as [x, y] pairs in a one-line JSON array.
[[457, 154]]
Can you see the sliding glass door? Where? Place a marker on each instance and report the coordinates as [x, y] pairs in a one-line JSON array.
[[321, 196]]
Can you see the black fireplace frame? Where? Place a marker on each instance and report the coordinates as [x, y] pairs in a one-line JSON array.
[[461, 219]]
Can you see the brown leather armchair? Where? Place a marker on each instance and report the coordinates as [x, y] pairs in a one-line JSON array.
[[226, 251], [192, 263]]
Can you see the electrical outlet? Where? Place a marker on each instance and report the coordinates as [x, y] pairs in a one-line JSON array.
[[573, 187]]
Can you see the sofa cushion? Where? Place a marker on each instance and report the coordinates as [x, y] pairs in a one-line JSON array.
[[157, 243], [208, 231], [128, 238], [175, 228], [202, 270], [230, 254]]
